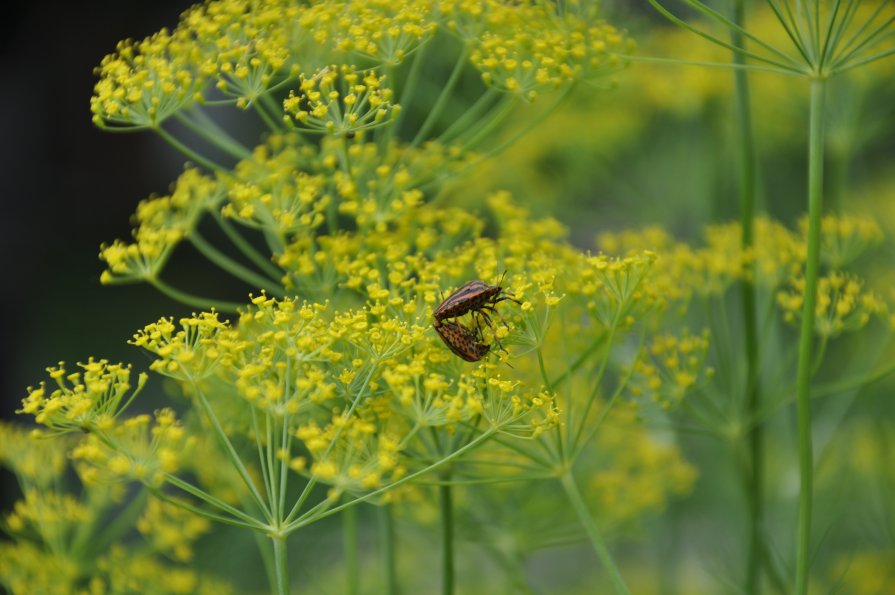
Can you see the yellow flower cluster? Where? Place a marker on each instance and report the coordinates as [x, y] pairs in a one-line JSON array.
[[33, 460], [124, 571], [86, 400], [187, 353], [527, 47], [637, 472], [144, 83], [386, 31], [245, 46], [142, 448], [843, 304], [171, 529], [51, 514], [339, 100], [670, 367], [163, 222]]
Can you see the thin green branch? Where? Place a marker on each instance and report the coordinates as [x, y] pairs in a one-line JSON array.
[[596, 539], [188, 152], [233, 267], [189, 299], [212, 133], [806, 334]]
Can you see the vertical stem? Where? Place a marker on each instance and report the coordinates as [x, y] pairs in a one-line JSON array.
[[281, 564], [755, 471], [806, 334], [447, 535], [577, 502], [349, 544], [387, 547]]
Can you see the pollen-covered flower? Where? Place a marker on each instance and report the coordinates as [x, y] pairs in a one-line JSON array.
[[190, 352], [171, 529], [525, 47], [36, 461], [843, 304], [142, 448], [670, 367], [84, 400], [351, 454], [246, 47], [162, 223], [386, 31], [340, 100], [144, 83]]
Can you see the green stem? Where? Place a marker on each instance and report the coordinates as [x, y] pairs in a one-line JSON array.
[[443, 98], [349, 544], [123, 521], [236, 269], [806, 333], [247, 249], [446, 509], [193, 300], [755, 469], [190, 154], [281, 563], [207, 129], [387, 547], [596, 539]]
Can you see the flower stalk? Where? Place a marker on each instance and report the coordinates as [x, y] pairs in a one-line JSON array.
[[806, 332]]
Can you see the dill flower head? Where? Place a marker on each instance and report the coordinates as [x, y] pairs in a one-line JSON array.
[[843, 303], [670, 367], [162, 223], [386, 31], [171, 529], [84, 400], [143, 448], [38, 462], [340, 100], [144, 83], [246, 48], [524, 48], [190, 352]]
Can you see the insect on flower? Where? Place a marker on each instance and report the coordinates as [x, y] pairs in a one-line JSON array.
[[474, 296], [463, 341]]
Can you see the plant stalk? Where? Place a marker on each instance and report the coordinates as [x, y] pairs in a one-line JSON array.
[[387, 547], [349, 543], [806, 334], [596, 539], [447, 535], [282, 565], [755, 470]]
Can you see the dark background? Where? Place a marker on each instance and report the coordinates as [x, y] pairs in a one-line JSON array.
[[67, 187]]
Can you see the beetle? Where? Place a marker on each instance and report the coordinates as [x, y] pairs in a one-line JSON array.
[[474, 296], [462, 340]]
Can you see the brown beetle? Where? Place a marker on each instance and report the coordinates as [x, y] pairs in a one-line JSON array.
[[474, 296], [463, 341]]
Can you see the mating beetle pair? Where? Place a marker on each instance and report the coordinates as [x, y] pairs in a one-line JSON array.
[[476, 297]]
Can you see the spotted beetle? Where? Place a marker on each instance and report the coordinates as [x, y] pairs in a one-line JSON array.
[[463, 341], [474, 296]]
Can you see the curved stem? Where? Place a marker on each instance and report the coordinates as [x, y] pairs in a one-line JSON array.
[[236, 269], [190, 153], [247, 249], [806, 333], [194, 300], [596, 539], [446, 92], [210, 131]]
